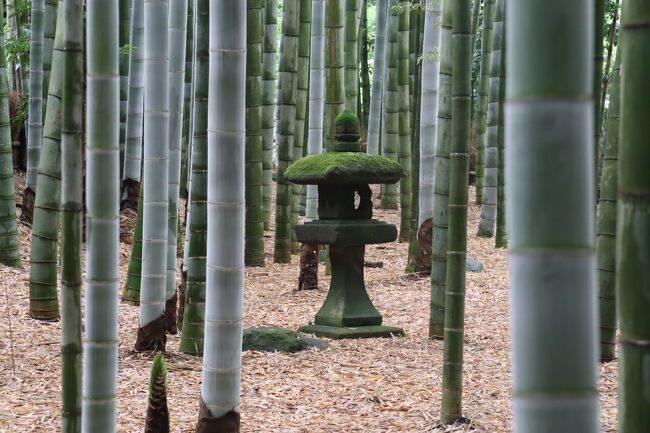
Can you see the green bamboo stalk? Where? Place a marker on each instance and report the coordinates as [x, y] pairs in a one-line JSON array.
[[50, 19], [187, 104], [103, 220], [35, 118], [482, 105], [486, 226], [550, 207], [365, 70], [597, 82], [131, 293], [351, 56], [286, 127], [429, 107], [606, 222], [134, 115], [501, 238], [268, 104], [334, 68], [156, 177], [71, 215], [390, 126], [43, 302], [177, 34], [379, 62], [416, 35], [220, 385], [633, 222], [194, 311], [316, 107], [461, 107], [254, 244], [441, 180], [9, 243], [404, 121], [301, 112], [125, 30], [476, 8]]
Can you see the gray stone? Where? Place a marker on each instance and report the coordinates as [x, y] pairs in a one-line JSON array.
[[473, 265]]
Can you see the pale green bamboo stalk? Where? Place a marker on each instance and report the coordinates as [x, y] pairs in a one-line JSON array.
[[429, 107], [194, 314], [633, 221], [286, 128], [301, 112], [177, 34], [268, 104], [404, 122], [334, 68], [351, 55], [501, 237], [50, 20], [156, 176], [124, 42], [134, 115], [254, 231], [606, 221], [9, 243], [461, 114], [486, 225], [220, 386], [376, 97], [103, 222], [441, 180], [43, 302], [71, 215], [35, 118], [316, 101], [390, 105], [187, 105], [550, 207], [597, 82], [482, 104]]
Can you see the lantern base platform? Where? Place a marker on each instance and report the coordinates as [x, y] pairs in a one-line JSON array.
[[339, 333]]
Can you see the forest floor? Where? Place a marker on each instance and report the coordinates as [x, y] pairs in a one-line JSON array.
[[373, 385]]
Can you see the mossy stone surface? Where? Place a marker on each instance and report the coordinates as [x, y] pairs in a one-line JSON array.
[[343, 168], [265, 339]]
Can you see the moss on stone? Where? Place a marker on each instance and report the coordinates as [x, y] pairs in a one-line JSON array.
[[343, 168], [273, 340], [347, 123]]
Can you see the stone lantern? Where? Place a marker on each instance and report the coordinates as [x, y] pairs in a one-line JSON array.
[[345, 224]]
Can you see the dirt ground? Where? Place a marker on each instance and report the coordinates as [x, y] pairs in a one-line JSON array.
[[374, 385]]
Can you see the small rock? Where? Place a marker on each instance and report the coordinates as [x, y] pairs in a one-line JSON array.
[[266, 339], [473, 265]]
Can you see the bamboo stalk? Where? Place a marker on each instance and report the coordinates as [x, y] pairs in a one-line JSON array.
[[550, 207]]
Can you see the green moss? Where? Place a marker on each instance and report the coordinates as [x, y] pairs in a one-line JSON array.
[[273, 340], [343, 168], [347, 122]]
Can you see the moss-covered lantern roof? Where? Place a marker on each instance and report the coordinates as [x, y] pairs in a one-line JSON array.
[[345, 164], [343, 168]]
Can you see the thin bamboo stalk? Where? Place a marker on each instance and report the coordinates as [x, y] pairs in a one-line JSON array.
[[268, 104], [376, 97], [71, 215], [351, 55], [461, 107], [403, 95], [441, 180]]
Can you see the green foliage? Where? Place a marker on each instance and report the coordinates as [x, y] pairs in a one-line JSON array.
[[127, 49], [16, 47], [21, 10], [20, 115]]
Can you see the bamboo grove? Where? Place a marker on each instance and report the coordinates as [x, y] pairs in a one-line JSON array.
[[184, 115]]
